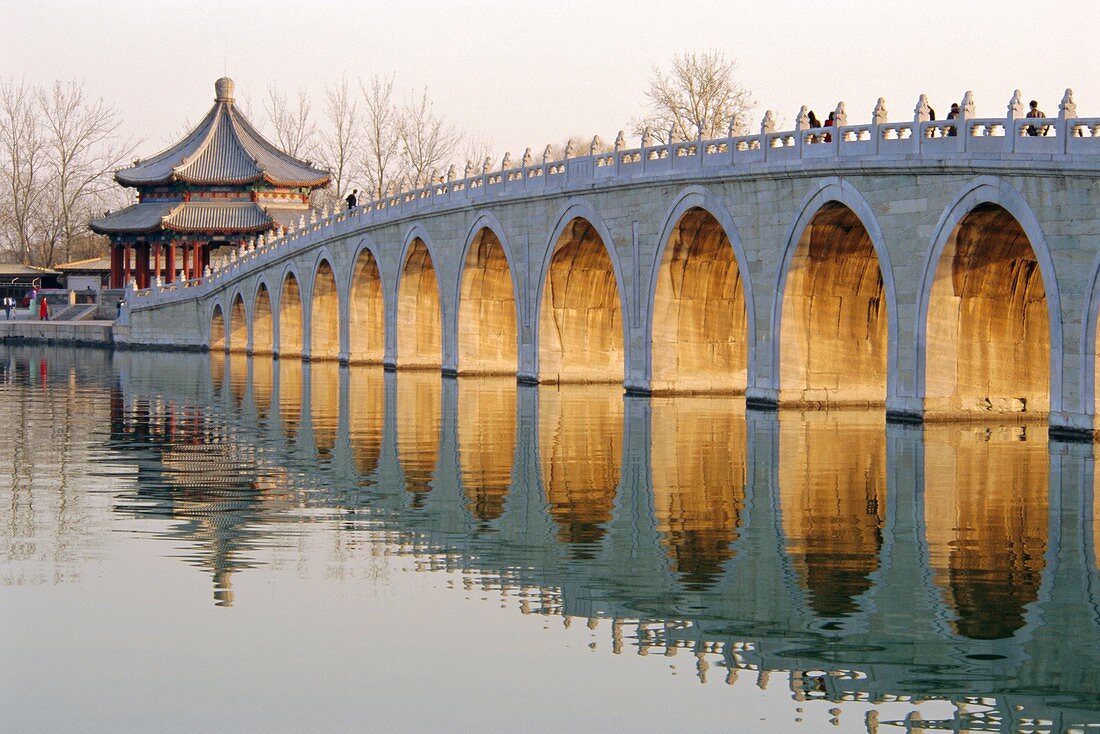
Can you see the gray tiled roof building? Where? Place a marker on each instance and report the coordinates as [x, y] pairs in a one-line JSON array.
[[220, 185]]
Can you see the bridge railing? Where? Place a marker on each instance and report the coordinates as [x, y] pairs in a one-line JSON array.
[[1068, 137]]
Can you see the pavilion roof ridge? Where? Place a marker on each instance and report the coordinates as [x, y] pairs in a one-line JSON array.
[[223, 149]]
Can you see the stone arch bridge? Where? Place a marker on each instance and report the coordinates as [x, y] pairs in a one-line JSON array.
[[938, 269]]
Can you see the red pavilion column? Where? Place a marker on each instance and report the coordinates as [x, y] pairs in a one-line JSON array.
[[170, 264], [156, 262], [197, 265], [185, 251], [141, 264], [116, 266], [126, 266]]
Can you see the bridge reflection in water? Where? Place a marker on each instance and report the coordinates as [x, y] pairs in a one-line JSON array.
[[858, 559]]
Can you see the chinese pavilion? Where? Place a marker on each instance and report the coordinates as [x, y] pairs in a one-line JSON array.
[[220, 186]]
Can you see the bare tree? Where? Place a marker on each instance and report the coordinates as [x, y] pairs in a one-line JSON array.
[[698, 97], [57, 151], [339, 142], [381, 147], [24, 178], [79, 136], [292, 124], [428, 142]]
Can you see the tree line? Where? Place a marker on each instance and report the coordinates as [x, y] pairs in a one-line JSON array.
[[59, 147]]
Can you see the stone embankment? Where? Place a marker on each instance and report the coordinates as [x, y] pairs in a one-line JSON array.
[[82, 333]]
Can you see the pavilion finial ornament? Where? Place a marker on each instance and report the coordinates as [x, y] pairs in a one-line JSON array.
[[1016, 106], [879, 116], [922, 112], [1067, 108], [223, 89]]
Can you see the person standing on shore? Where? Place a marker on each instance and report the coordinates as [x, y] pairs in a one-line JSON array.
[[43, 310], [8, 303]]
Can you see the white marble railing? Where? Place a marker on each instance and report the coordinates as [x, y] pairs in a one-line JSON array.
[[1065, 138]]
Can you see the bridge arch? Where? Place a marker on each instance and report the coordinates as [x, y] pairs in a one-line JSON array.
[[487, 299], [987, 249], [290, 308], [581, 303], [218, 334], [238, 325], [366, 307], [324, 310], [263, 329], [834, 283], [700, 312], [419, 304]]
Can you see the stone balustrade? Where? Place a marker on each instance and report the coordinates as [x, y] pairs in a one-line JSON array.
[[1065, 141]]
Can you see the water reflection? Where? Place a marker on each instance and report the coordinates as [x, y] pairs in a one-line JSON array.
[[289, 390], [486, 443], [832, 481], [366, 410], [698, 459], [986, 512], [324, 399], [857, 562], [580, 446], [419, 409]]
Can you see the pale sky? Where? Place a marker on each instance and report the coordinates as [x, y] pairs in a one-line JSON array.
[[523, 74]]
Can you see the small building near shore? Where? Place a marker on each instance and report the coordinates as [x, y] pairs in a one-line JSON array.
[[82, 275], [18, 281], [220, 186]]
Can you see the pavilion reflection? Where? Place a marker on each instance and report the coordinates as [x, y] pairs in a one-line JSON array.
[[290, 395], [832, 485], [486, 442], [195, 470], [698, 459], [419, 408], [580, 452], [986, 516], [366, 416], [324, 401]]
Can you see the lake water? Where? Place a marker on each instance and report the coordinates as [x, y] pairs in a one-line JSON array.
[[200, 543]]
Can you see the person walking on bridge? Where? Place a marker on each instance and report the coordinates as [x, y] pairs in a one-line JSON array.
[[1033, 130], [351, 199]]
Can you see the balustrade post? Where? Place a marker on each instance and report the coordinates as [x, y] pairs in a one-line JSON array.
[[966, 112], [879, 117], [767, 125], [802, 123], [1015, 112], [1067, 112]]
